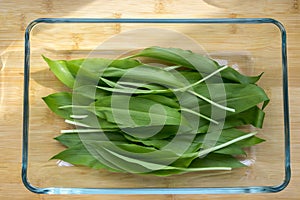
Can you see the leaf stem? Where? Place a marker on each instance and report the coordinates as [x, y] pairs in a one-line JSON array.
[[211, 102], [77, 123], [172, 67], [72, 106], [206, 169], [85, 130], [78, 116], [201, 80], [206, 151], [199, 114]]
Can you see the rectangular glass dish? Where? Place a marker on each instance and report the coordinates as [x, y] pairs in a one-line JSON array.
[[252, 46]]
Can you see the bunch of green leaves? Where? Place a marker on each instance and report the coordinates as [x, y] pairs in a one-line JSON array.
[[138, 117]]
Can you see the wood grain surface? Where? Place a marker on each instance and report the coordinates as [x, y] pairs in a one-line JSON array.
[[15, 16]]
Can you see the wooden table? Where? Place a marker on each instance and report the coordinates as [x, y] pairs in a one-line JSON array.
[[14, 17]]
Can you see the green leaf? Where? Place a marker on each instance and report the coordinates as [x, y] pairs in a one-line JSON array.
[[241, 97], [171, 102], [69, 139], [89, 92], [192, 60], [61, 71], [141, 162], [210, 161], [151, 143], [180, 57], [100, 66], [132, 85], [78, 155], [250, 142], [232, 149], [164, 132], [129, 90], [216, 160], [137, 112], [56, 100], [151, 74], [73, 139], [219, 137], [253, 116]]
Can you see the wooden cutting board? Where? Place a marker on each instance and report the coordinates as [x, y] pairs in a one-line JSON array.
[[14, 17]]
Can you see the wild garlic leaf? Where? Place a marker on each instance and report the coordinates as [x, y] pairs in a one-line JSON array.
[[61, 71], [192, 60], [58, 100], [170, 102], [91, 69], [201, 141], [151, 74], [73, 139], [232, 149], [249, 142], [79, 155], [68, 139], [137, 161], [253, 116], [211, 161], [164, 132], [241, 97], [156, 143], [139, 111], [55, 100], [217, 160], [96, 65]]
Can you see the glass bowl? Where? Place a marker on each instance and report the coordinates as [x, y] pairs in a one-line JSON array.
[[252, 46]]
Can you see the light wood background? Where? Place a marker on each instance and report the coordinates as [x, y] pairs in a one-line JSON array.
[[14, 17]]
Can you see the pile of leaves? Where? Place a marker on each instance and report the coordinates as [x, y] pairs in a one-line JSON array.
[[179, 112]]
